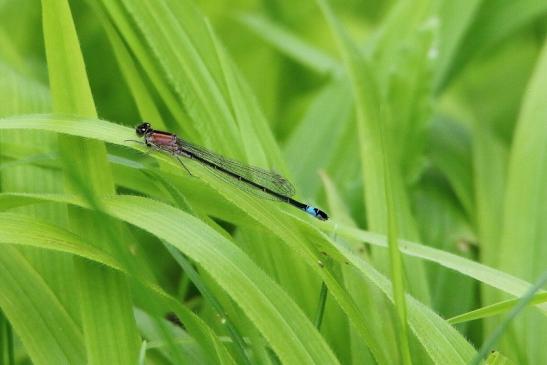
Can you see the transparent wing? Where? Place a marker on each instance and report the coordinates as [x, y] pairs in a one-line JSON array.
[[241, 185], [265, 178]]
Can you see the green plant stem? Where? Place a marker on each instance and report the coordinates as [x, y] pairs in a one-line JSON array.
[[395, 259]]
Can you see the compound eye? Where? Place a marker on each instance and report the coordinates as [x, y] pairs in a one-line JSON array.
[[142, 129]]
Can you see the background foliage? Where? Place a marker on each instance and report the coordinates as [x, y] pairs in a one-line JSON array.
[[419, 126]]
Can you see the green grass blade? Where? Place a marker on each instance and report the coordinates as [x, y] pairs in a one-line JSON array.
[[104, 294], [395, 259], [208, 295], [14, 229], [442, 343], [495, 278], [522, 250], [502, 327], [143, 98], [122, 22], [493, 22], [327, 118], [378, 164], [495, 309], [289, 332], [289, 43], [254, 131], [455, 19], [177, 35], [50, 337]]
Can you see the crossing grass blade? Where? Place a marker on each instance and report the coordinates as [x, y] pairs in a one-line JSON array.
[[495, 309], [289, 44], [24, 291], [104, 295]]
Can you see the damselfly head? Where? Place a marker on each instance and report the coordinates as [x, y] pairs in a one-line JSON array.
[[142, 128]]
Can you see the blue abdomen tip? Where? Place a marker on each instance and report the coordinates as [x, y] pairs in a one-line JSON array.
[[317, 213]]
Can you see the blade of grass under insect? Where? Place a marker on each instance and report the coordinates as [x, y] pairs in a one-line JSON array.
[[430, 329]]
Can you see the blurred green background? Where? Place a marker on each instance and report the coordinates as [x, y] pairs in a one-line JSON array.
[[418, 120]]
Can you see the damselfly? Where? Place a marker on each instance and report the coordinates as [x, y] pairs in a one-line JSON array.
[[257, 181]]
